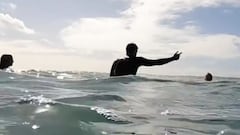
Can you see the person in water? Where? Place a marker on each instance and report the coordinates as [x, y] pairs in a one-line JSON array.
[[208, 77], [130, 65], [6, 61]]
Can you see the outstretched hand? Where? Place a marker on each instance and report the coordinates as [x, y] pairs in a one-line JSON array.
[[176, 56]]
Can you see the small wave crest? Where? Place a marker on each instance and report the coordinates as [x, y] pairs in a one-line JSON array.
[[108, 114], [38, 100], [106, 97], [94, 97]]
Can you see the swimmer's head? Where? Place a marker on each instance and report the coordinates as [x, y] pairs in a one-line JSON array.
[[6, 61], [131, 50], [208, 77]]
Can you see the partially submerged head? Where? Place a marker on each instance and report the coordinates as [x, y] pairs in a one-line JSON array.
[[208, 77], [131, 50], [6, 61]]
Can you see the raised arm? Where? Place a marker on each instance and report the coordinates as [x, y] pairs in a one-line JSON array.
[[147, 62]]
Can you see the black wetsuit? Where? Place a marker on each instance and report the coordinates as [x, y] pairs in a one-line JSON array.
[[129, 66]]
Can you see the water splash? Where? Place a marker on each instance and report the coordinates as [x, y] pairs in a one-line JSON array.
[[110, 115], [167, 112], [35, 127], [38, 100]]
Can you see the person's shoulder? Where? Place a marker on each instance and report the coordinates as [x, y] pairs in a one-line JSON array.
[[119, 60]]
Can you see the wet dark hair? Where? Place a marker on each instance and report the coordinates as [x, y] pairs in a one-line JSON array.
[[208, 77], [131, 50], [6, 61], [131, 46]]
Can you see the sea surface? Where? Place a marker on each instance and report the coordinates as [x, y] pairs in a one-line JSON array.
[[87, 103]]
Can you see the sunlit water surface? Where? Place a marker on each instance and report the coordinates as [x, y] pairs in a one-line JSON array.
[[85, 103]]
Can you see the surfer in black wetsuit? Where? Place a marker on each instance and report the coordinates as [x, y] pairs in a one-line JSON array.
[[6, 61], [130, 65]]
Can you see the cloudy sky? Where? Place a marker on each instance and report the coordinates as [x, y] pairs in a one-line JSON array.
[[88, 35]]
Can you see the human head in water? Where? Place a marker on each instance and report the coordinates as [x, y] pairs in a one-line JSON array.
[[6, 61], [208, 77], [131, 50]]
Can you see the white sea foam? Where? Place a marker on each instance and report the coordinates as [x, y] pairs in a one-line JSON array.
[[167, 112], [62, 76], [26, 123], [35, 127], [108, 114], [39, 100]]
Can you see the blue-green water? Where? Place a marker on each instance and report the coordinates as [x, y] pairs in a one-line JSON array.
[[70, 103]]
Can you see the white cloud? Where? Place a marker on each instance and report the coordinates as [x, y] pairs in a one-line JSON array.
[[9, 23], [144, 23], [39, 54], [215, 46], [28, 46]]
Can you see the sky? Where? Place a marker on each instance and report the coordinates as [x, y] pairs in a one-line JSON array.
[[88, 35]]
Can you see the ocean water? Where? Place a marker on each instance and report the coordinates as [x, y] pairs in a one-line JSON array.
[[86, 103]]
